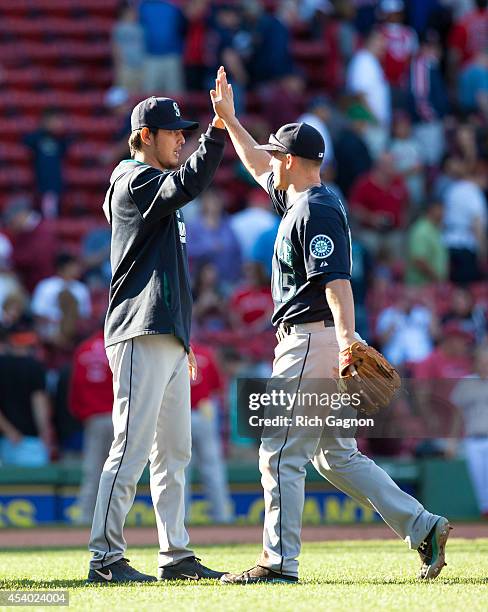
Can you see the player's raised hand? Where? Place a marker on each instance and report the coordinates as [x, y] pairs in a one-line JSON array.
[[223, 97]]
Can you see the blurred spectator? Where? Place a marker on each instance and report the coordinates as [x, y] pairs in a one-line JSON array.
[[229, 45], [303, 12], [451, 170], [258, 216], [237, 368], [118, 103], [25, 226], [211, 238], [206, 452], [195, 56], [9, 283], [407, 329], [25, 412], [401, 43], [48, 145], [209, 306], [379, 202], [14, 315], [408, 157], [340, 40], [60, 301], [428, 260], [328, 177], [468, 36], [450, 360], [264, 246], [282, 99], [473, 84], [251, 304], [164, 26], [269, 58], [366, 77], [128, 49], [95, 255], [366, 15], [467, 315], [436, 376], [469, 396], [90, 401], [318, 114], [428, 98], [465, 223], [5, 249], [351, 152]]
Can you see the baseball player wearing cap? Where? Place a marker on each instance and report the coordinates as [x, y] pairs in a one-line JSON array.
[[147, 339], [314, 313]]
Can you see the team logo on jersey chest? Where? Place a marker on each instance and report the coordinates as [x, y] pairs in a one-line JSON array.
[[321, 246]]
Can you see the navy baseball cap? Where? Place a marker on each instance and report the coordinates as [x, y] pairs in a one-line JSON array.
[[298, 139], [159, 113]]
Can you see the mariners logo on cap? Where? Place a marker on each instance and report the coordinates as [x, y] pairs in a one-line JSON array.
[[177, 109], [321, 246]]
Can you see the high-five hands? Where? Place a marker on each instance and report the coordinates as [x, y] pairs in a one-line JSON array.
[[223, 97]]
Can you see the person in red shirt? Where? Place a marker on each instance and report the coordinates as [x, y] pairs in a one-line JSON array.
[[33, 242], [379, 203], [468, 37], [401, 42], [435, 379], [251, 304], [90, 401], [206, 441], [194, 57]]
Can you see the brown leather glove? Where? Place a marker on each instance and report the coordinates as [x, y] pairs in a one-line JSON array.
[[363, 370]]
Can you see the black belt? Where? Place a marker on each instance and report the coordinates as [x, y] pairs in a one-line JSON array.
[[286, 329]]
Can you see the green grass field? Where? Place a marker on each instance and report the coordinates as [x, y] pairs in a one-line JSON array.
[[346, 576]]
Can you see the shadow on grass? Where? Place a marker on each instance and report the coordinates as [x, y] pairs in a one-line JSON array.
[[24, 583]]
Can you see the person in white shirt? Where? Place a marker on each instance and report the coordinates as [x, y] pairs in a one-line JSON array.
[[406, 330], [465, 223], [366, 77], [470, 397], [60, 297], [249, 223]]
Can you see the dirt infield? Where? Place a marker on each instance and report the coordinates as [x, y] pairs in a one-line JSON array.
[[229, 534]]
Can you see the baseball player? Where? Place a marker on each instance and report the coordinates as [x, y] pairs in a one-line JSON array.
[[147, 331], [314, 313]]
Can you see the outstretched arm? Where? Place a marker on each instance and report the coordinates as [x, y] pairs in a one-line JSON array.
[[256, 161]]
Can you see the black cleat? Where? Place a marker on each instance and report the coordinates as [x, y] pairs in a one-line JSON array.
[[118, 572], [432, 550], [188, 568], [258, 574]]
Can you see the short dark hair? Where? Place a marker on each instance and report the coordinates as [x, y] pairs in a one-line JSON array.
[[64, 259], [135, 140]]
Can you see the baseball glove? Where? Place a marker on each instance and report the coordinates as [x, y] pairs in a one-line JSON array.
[[364, 370]]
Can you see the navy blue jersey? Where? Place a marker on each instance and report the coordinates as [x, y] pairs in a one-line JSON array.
[[312, 248]]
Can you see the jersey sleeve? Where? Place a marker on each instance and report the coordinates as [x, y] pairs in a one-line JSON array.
[[158, 194], [278, 198], [326, 246]]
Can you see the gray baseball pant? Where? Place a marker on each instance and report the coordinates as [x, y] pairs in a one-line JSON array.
[[312, 353], [98, 433], [151, 418]]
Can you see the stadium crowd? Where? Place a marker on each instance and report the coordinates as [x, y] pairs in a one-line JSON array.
[[399, 91]]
